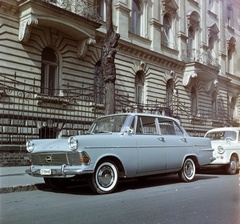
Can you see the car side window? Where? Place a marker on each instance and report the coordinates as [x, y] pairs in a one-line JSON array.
[[169, 128], [146, 125]]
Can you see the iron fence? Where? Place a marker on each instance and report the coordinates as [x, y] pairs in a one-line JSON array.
[[26, 113]]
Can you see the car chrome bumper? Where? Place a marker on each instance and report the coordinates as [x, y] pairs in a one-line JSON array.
[[57, 171]]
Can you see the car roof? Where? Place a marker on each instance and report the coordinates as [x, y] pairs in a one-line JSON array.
[[145, 114], [224, 129]]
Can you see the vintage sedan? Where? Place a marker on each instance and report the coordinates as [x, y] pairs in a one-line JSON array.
[[226, 144], [127, 145]]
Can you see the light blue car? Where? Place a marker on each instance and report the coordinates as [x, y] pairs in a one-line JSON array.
[[127, 145]]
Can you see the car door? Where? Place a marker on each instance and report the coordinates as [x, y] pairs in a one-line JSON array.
[[151, 150], [175, 143]]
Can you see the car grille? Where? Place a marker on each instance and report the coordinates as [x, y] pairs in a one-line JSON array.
[[69, 158]]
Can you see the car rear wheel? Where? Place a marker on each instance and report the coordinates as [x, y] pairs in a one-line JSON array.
[[56, 183], [105, 178], [232, 167], [188, 170]]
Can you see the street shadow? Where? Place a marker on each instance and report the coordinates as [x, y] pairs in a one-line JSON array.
[[130, 184], [160, 181], [212, 171]]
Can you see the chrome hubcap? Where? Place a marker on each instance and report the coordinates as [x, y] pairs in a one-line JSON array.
[[189, 169], [233, 165], [105, 176]]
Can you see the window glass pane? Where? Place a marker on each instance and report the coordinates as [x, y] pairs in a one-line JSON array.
[[167, 127], [49, 55], [178, 131], [146, 125], [136, 17], [194, 101], [139, 84], [49, 76], [101, 8]]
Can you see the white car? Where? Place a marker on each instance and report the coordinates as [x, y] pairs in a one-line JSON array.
[[226, 144]]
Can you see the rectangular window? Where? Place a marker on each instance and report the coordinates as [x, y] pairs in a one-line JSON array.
[[169, 128], [146, 125]]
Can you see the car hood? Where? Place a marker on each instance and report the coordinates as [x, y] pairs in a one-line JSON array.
[[50, 145], [223, 143]]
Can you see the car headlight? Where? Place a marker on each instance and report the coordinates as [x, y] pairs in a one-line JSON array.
[[29, 146], [73, 143], [220, 149]]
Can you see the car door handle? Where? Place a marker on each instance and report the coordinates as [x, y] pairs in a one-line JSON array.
[[184, 139], [161, 139]]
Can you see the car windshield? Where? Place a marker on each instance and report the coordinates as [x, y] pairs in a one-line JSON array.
[[108, 124], [222, 135]]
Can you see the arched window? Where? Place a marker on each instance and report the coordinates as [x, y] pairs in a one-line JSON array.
[[191, 43], [169, 92], [210, 5], [230, 55], [49, 72], [101, 9], [214, 105], [211, 54], [229, 16], [139, 88], [194, 107], [136, 17], [193, 20], [166, 31], [233, 108]]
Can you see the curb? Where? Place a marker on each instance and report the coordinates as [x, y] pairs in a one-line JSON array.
[[29, 187]]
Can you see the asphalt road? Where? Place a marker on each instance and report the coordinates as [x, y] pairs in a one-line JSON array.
[[211, 198]]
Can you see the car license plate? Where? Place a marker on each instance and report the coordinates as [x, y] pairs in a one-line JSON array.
[[45, 172]]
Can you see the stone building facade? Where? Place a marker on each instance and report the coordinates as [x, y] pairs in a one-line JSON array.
[[174, 57]]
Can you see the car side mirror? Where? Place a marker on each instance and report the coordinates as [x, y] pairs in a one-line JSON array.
[[128, 130]]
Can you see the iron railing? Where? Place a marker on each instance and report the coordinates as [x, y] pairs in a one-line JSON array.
[[207, 57], [26, 113], [83, 8]]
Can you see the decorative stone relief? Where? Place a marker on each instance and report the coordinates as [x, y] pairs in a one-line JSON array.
[[25, 27], [213, 30], [188, 76], [140, 66], [54, 37], [83, 46], [193, 20], [170, 75], [169, 6], [211, 86]]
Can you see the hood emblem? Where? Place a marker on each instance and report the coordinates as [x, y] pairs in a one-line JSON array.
[[48, 159]]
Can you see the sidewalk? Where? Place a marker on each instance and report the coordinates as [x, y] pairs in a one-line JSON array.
[[14, 179]]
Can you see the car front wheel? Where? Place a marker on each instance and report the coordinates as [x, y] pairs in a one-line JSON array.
[[232, 167], [105, 178], [188, 170]]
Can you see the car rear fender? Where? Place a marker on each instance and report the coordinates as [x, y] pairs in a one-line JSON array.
[[193, 157]]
